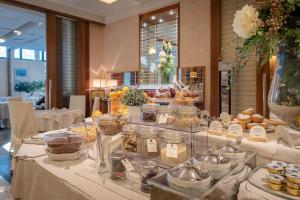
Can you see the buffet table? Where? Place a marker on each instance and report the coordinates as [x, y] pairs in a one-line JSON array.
[[37, 177]]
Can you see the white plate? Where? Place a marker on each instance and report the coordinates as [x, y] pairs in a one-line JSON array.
[[63, 156]]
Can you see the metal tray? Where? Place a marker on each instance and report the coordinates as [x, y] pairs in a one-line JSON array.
[[258, 178]]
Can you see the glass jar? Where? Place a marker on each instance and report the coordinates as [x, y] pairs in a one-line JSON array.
[[148, 112], [165, 115], [186, 117], [111, 124], [129, 137], [148, 142], [148, 171], [117, 169], [173, 149]]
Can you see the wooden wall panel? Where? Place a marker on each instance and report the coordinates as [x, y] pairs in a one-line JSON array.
[[51, 59]]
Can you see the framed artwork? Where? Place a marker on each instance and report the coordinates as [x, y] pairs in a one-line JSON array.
[[21, 75]]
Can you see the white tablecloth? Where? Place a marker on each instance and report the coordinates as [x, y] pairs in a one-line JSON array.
[[57, 119], [38, 178]]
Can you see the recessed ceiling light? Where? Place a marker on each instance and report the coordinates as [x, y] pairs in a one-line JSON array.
[[153, 17], [109, 1], [17, 32], [171, 12], [145, 24], [161, 20], [2, 40], [40, 23]]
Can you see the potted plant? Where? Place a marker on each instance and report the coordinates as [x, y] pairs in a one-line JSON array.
[[273, 28], [166, 66], [134, 99]]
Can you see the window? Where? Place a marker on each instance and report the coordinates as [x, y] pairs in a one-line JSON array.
[[28, 54], [3, 52], [42, 55], [125, 78], [17, 53], [159, 43]]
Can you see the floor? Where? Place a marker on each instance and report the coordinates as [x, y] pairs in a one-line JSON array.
[[5, 176]]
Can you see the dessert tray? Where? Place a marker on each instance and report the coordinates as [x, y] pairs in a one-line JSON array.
[[258, 178]]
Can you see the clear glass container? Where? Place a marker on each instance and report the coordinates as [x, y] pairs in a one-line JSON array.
[[165, 115], [111, 124], [129, 132], [186, 117], [148, 112], [117, 169], [148, 142], [173, 149], [148, 171]]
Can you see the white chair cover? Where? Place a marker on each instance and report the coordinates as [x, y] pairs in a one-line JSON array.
[[16, 98], [96, 104], [77, 102], [23, 122]]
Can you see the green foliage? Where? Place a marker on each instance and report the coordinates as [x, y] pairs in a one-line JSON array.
[[166, 66], [134, 97], [265, 42], [29, 87]]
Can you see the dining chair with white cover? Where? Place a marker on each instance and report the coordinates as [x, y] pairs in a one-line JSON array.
[[96, 104], [78, 102], [23, 123], [9, 99], [16, 98]]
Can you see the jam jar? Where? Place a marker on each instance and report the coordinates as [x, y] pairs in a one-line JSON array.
[[148, 142]]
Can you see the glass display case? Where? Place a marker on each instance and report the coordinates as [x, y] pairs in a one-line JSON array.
[[172, 149]]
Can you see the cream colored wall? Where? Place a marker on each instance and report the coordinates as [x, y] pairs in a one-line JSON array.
[[121, 45], [115, 47], [195, 38]]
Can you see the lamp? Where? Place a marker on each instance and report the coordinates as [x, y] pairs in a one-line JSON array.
[[96, 83], [193, 74]]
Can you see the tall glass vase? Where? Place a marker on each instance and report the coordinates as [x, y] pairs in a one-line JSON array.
[[284, 95]]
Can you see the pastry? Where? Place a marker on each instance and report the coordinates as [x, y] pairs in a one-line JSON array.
[[61, 143], [265, 125], [244, 118], [250, 125], [278, 162], [275, 179], [292, 191], [275, 122], [274, 168], [275, 186], [292, 185], [249, 111], [256, 118], [293, 177], [294, 166]]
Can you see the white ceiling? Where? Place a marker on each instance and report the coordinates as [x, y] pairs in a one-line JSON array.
[[98, 11], [12, 17]]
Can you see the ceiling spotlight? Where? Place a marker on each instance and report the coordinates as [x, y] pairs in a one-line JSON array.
[[171, 12], [109, 1], [153, 17], [145, 24], [160, 20], [2, 40], [17, 32], [40, 23]]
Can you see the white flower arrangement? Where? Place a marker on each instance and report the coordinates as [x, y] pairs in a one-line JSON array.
[[246, 22]]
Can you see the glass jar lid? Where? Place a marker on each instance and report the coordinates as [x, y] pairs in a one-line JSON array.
[[108, 117], [149, 164], [163, 110], [172, 137], [187, 110], [116, 156], [149, 107], [130, 127], [147, 132]]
